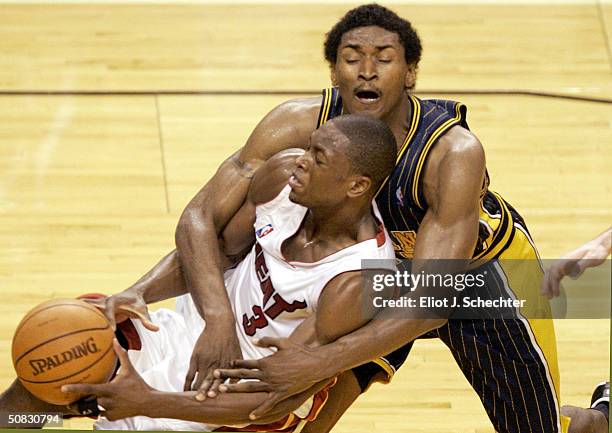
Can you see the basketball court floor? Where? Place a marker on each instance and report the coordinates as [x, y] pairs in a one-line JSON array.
[[113, 115]]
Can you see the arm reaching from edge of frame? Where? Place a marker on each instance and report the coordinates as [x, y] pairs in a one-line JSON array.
[[575, 262]]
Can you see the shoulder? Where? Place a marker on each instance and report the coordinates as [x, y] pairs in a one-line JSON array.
[[346, 280], [285, 126], [459, 142], [455, 168], [296, 112], [272, 176], [300, 106], [352, 285], [457, 147]]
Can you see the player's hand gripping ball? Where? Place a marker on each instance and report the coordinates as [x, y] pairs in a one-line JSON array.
[[59, 342]]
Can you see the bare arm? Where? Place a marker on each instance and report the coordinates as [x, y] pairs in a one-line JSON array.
[[128, 395], [343, 293], [210, 210], [449, 230], [238, 235], [575, 262], [454, 175], [162, 282], [166, 279], [289, 125]]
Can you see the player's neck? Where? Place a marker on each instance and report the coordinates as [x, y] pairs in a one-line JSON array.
[[339, 221], [398, 119]]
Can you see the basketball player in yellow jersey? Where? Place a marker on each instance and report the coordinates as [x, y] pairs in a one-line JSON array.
[[436, 205], [438, 195]]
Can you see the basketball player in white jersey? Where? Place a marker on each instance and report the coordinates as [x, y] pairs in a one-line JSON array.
[[302, 278]]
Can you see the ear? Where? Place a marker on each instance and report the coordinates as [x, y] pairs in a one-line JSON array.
[[334, 81], [410, 78], [359, 186]]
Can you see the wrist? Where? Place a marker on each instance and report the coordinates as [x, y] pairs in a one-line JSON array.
[[224, 322], [136, 289], [222, 316], [154, 404], [331, 359]]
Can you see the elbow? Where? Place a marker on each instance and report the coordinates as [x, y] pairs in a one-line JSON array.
[[191, 222]]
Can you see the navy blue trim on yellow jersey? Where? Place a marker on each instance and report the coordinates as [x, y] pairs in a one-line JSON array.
[[324, 110], [331, 106], [414, 120], [458, 119]]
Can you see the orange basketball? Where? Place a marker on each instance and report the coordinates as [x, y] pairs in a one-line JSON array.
[[60, 342]]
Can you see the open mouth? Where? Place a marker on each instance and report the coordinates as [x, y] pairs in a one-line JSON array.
[[294, 181], [367, 96]]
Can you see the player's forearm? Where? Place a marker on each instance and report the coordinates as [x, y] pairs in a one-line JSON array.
[[605, 240], [202, 266], [378, 338], [163, 281], [225, 409], [390, 330]]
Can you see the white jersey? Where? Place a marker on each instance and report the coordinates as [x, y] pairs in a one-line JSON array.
[[271, 296]]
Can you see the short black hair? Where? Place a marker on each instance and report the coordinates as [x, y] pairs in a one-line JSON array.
[[372, 148], [374, 15]]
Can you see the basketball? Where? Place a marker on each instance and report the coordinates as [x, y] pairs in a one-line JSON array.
[[60, 342]]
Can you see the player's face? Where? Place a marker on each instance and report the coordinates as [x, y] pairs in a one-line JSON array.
[[371, 71], [322, 174]]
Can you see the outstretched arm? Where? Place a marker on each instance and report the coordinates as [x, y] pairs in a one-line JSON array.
[[128, 395], [574, 263]]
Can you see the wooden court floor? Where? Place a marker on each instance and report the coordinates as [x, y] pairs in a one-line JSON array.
[[91, 186]]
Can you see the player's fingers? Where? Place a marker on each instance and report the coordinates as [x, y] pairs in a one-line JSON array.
[[237, 373], [203, 381], [126, 364], [218, 374], [571, 268], [96, 302], [555, 286], [264, 408], [193, 368], [108, 407], [552, 280], [244, 363], [545, 285], [580, 267], [214, 388], [251, 386], [143, 316], [202, 384], [105, 403], [109, 312], [279, 343], [83, 389]]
